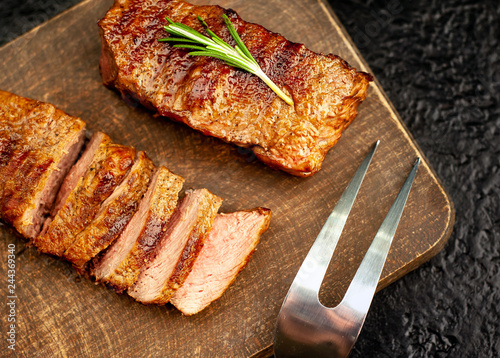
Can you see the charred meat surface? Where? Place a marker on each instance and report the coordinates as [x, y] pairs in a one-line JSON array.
[[226, 251], [38, 145], [110, 164], [229, 103], [116, 209], [78, 170], [121, 263], [175, 253], [114, 214]]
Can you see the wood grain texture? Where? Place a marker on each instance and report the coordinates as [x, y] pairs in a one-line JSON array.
[[61, 315]]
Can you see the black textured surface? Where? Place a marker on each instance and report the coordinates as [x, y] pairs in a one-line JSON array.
[[439, 63]]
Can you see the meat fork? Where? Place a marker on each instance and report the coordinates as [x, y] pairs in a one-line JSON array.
[[306, 328]]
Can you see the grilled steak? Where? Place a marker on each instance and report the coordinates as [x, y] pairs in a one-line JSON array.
[[121, 263], [98, 140], [175, 253], [110, 163], [114, 214], [227, 249], [108, 195], [226, 102], [38, 145]]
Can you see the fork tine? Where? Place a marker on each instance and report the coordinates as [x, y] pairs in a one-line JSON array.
[[313, 269], [365, 280], [307, 328], [301, 309]]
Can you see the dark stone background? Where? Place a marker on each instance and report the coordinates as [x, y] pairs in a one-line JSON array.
[[439, 62]]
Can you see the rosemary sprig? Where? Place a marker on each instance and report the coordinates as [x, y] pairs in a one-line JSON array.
[[214, 46]]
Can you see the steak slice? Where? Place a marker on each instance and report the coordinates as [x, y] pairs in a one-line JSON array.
[[114, 214], [110, 164], [121, 263], [38, 145], [175, 253], [98, 140], [226, 252], [226, 102]]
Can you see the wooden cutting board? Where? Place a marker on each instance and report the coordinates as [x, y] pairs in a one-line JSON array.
[[60, 314]]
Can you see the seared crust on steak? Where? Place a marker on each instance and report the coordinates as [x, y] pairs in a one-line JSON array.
[[229, 103], [110, 165], [78, 170], [175, 253], [226, 252], [115, 208], [121, 263], [114, 214], [38, 145]]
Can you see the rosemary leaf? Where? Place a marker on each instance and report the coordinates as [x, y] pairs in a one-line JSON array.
[[213, 46]]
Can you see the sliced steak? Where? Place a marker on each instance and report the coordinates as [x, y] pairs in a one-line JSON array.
[[98, 140], [175, 253], [38, 145], [113, 192], [121, 263], [226, 252], [229, 103], [109, 166], [14, 121], [114, 214]]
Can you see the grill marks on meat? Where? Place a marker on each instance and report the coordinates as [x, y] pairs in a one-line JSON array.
[[116, 208], [109, 166], [38, 145], [175, 253], [226, 102], [226, 252], [114, 214], [119, 267]]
